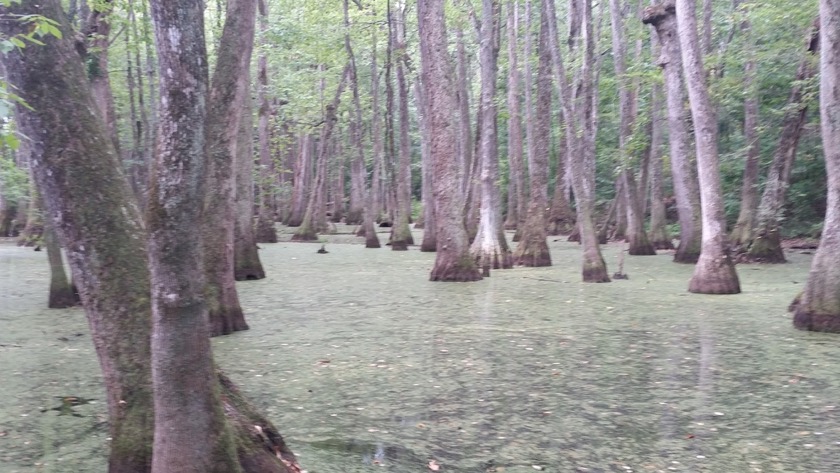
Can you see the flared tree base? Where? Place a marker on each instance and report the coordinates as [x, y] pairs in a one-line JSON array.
[[804, 319], [459, 270], [305, 235], [687, 253], [595, 272], [399, 245], [428, 245], [714, 275], [225, 322], [372, 241], [575, 236], [355, 217], [535, 257], [641, 248], [766, 248], [265, 232], [665, 244]]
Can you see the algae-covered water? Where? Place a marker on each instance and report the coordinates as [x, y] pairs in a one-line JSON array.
[[364, 365]]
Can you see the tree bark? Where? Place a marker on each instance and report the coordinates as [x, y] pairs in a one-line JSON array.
[[659, 235], [246, 258], [62, 292], [227, 94], [97, 32], [766, 244], [429, 243], [490, 248], [715, 270], [401, 232], [301, 181], [662, 17], [819, 309], [532, 249], [265, 231], [516, 182], [638, 242], [453, 261]]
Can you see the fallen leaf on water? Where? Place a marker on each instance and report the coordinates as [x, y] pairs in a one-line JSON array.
[[434, 466]]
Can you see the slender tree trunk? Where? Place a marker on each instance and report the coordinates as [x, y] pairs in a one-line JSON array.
[[98, 31], [227, 94], [819, 309], [429, 243], [265, 231], [581, 121], [465, 138], [742, 232], [490, 247], [766, 244], [301, 181], [401, 234], [246, 258], [533, 248], [453, 261], [516, 181], [662, 17], [315, 214], [639, 244], [659, 236], [715, 270]]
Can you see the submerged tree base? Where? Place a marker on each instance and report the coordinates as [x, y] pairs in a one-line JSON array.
[[305, 235], [265, 231], [665, 244], [804, 319], [534, 257], [447, 269], [227, 322], [249, 274], [715, 276], [766, 248], [595, 272]]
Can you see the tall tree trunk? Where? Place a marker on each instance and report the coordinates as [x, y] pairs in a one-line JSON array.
[[663, 18], [429, 243], [561, 217], [453, 261], [516, 182], [766, 244], [314, 220], [533, 248], [715, 270], [227, 95], [819, 309], [742, 232], [401, 234], [246, 258], [265, 231], [301, 182], [98, 31], [659, 236], [578, 109], [639, 244], [465, 138], [490, 247], [190, 429]]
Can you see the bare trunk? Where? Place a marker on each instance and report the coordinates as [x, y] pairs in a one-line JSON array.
[[453, 261], [62, 292], [533, 248], [401, 235], [742, 232], [227, 95], [98, 31], [819, 309], [662, 17], [490, 248], [516, 181], [465, 138], [561, 217], [265, 231], [659, 236], [715, 270], [246, 259], [638, 242], [766, 244], [302, 180], [429, 243]]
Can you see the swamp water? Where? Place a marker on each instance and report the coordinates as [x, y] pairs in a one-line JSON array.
[[364, 365]]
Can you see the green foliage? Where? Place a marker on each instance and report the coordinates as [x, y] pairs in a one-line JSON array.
[[14, 181]]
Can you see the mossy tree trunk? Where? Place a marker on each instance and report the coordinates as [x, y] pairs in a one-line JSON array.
[[819, 307], [62, 292], [715, 270], [453, 261], [659, 235], [663, 18], [228, 89], [104, 237], [532, 249], [429, 243], [490, 247], [516, 182]]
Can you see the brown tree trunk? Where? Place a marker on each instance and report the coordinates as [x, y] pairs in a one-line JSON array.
[[227, 94], [532, 249], [662, 17], [561, 217], [715, 270], [465, 138], [516, 182], [578, 109], [401, 232], [453, 261], [429, 243], [742, 232], [246, 258], [98, 31], [638, 242], [265, 231], [659, 235], [490, 248], [819, 309], [314, 220], [301, 182], [766, 244]]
